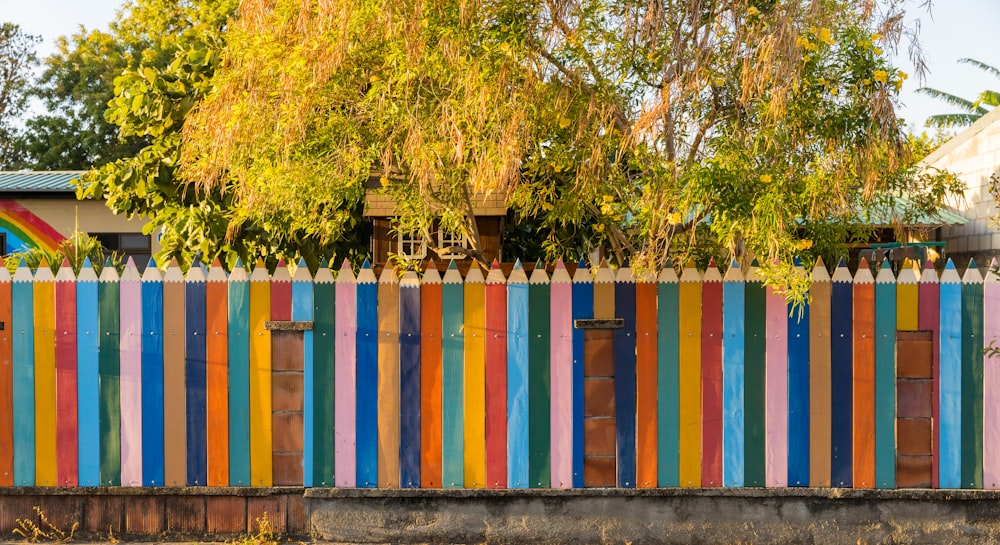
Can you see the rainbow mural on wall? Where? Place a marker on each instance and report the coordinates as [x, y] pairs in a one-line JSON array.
[[26, 230]]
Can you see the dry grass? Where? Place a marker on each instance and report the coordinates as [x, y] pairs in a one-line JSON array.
[[263, 536], [43, 530]]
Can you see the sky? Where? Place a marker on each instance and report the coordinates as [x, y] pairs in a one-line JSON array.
[[952, 30]]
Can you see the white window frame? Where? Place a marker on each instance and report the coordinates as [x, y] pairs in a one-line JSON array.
[[447, 239], [407, 242]]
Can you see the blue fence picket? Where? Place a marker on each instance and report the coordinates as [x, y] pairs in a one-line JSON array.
[[152, 376], [302, 311], [367, 376], [88, 378], [22, 297], [583, 308], [798, 394], [517, 378]]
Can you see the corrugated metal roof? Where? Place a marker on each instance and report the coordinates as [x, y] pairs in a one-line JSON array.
[[50, 181], [899, 210]]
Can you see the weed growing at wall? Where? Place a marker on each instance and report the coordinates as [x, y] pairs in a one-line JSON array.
[[43, 529], [263, 536]]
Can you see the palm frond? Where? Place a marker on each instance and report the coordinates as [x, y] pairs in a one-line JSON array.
[[949, 121], [973, 110], [982, 66], [954, 100], [989, 98]]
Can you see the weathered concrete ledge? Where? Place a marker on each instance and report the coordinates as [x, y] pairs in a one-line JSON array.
[[682, 516]]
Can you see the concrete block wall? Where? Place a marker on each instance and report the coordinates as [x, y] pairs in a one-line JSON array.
[[974, 156]]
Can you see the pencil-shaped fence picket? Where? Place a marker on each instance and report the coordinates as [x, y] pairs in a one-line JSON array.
[[497, 380]]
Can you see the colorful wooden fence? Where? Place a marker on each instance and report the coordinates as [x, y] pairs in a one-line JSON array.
[[166, 378]]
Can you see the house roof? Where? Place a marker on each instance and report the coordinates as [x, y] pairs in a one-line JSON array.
[[898, 213], [483, 204], [28, 181]]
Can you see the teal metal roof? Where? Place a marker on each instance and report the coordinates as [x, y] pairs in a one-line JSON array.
[[50, 181], [900, 212]]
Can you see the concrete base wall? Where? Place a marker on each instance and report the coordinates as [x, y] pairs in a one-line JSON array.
[[666, 516]]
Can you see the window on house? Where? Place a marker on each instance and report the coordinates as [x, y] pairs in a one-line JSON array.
[[134, 245], [411, 246], [449, 239]]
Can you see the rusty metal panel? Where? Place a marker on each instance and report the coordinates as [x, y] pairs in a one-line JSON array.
[[185, 514], [226, 514], [145, 514], [271, 506], [104, 514]]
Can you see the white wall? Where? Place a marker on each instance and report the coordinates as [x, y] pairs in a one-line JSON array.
[[973, 155]]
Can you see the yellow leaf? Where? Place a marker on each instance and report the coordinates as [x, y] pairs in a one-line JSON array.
[[564, 122]]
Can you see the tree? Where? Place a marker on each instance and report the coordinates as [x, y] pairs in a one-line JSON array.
[[636, 120], [74, 88], [971, 109], [17, 58], [150, 105], [79, 80]]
